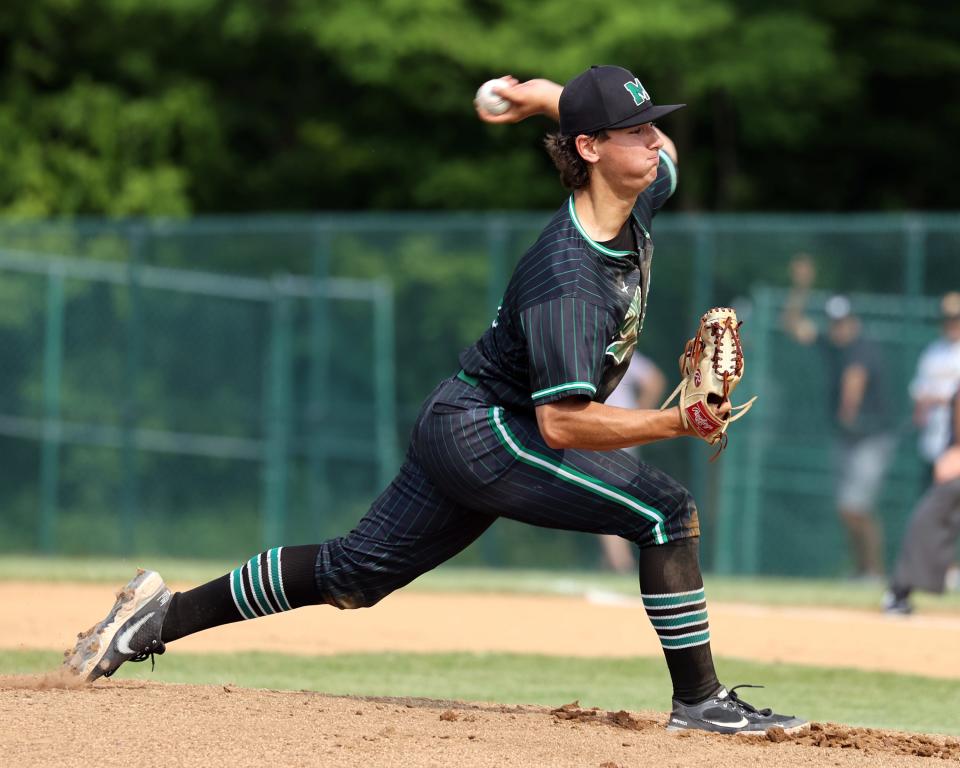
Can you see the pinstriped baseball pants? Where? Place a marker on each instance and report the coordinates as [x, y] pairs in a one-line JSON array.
[[470, 462]]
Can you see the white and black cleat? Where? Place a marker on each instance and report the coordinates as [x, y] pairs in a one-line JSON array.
[[725, 712], [130, 632]]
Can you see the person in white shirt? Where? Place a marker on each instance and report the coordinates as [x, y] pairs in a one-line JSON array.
[[936, 379]]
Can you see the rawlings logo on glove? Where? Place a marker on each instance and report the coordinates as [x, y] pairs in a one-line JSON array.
[[711, 366]]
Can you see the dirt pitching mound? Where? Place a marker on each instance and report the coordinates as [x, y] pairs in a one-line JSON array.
[[153, 724]]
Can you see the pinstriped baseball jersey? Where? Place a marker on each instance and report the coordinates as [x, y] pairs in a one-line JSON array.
[[571, 314], [567, 326]]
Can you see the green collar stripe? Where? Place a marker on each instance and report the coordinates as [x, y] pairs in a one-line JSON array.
[[570, 475], [239, 599], [590, 241], [685, 641], [672, 168], [259, 598], [677, 622], [674, 599], [563, 388], [276, 578]]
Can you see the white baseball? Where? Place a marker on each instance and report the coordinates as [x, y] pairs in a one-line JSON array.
[[489, 101]]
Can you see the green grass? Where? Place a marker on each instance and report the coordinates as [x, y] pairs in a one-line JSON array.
[[759, 590], [840, 695]]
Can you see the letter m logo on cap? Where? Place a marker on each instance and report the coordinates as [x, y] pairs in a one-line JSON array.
[[635, 89]]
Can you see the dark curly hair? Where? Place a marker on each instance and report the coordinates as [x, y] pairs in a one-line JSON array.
[[574, 170]]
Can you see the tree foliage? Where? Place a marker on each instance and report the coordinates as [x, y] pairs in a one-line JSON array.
[[123, 107]]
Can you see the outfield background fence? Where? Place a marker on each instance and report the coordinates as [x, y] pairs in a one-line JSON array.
[[210, 387]]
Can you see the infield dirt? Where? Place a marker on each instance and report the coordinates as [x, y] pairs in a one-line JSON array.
[[126, 723], [44, 722], [48, 616]]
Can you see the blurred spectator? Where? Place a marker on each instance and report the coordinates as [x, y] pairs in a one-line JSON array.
[[933, 530], [936, 379], [861, 409], [642, 387]]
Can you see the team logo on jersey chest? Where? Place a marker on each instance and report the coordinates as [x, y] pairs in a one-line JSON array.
[[622, 346]]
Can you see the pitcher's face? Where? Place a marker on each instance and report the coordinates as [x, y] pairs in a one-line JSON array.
[[631, 155]]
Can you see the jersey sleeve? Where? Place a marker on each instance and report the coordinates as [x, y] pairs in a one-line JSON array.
[[666, 183], [566, 342], [922, 383]]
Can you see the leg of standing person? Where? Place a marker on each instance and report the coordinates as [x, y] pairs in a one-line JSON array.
[[863, 466], [617, 554], [928, 547]]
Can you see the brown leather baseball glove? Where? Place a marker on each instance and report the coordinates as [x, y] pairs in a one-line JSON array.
[[711, 366]]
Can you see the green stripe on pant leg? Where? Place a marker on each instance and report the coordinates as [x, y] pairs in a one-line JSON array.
[[572, 475]]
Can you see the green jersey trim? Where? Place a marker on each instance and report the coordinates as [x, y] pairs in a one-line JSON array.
[[573, 476], [590, 241], [564, 387]]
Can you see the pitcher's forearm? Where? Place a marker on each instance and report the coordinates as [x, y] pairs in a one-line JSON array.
[[597, 427]]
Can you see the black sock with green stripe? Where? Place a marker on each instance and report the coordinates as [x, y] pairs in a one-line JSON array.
[[673, 597], [273, 581]]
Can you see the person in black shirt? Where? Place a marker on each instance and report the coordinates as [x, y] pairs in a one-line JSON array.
[[861, 407], [521, 431]]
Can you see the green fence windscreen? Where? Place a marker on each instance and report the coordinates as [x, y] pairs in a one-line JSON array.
[[209, 387]]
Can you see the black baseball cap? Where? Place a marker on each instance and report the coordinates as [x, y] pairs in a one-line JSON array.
[[607, 97]]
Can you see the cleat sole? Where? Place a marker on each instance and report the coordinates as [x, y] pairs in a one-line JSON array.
[[85, 659]]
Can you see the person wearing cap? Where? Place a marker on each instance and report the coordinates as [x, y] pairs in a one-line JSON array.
[[936, 379], [562, 340], [861, 409], [928, 549], [521, 431]]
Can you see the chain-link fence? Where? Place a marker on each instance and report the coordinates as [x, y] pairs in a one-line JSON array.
[[148, 409], [209, 386]]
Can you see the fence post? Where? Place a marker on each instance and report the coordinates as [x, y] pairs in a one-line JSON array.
[[278, 407], [384, 365], [318, 487], [916, 256], [756, 438], [129, 477], [52, 372]]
